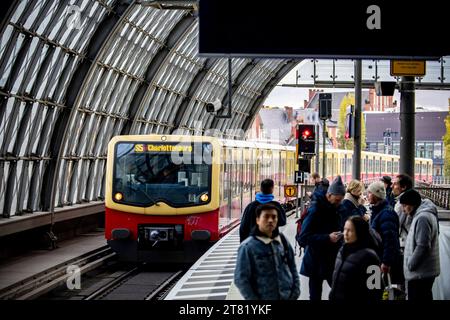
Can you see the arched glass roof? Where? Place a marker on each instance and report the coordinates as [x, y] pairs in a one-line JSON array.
[[75, 73]]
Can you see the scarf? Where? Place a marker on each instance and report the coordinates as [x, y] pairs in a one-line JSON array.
[[352, 199]]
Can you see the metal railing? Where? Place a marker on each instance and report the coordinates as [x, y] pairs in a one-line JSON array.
[[439, 194], [441, 180]]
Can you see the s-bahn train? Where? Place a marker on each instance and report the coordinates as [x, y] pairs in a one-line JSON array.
[[168, 197]]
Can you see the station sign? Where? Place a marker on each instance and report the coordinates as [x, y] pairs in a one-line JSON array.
[[299, 177], [414, 68], [290, 191]]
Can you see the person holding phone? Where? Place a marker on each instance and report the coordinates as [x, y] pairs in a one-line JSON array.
[[321, 237]]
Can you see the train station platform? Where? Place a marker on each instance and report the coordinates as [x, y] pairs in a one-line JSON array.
[[25, 266], [211, 277]]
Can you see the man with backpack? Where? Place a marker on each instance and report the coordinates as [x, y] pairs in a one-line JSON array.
[[266, 196], [321, 237]]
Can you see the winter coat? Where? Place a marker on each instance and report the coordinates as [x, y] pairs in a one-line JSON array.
[[266, 269], [350, 274], [385, 221], [404, 222], [350, 207], [421, 256], [320, 253], [248, 220], [390, 197]]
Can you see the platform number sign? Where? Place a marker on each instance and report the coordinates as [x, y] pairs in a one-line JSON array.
[[290, 191]]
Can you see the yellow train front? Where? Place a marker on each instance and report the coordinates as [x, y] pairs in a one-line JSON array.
[[161, 203], [168, 198]]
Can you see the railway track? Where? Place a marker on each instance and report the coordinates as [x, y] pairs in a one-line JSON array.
[[136, 284], [49, 279]]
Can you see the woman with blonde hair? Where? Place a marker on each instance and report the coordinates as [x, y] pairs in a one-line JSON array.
[[353, 203]]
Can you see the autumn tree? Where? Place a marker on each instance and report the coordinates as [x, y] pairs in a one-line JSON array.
[[349, 99], [446, 140]]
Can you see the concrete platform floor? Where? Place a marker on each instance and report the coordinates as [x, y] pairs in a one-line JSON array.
[[24, 266]]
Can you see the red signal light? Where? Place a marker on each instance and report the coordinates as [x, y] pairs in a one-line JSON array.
[[306, 133]]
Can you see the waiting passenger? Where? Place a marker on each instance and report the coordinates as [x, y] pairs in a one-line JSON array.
[[352, 262], [321, 237], [402, 183], [319, 184], [388, 186], [421, 261], [263, 197], [385, 222], [265, 268], [353, 203]]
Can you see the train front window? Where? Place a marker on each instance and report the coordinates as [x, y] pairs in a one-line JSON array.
[[174, 173]]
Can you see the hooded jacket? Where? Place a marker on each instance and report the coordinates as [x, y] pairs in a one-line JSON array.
[[248, 220], [421, 257]]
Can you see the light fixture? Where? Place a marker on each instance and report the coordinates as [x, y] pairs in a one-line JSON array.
[[118, 196]]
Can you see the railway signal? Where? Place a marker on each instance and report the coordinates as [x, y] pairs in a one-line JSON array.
[[306, 136]]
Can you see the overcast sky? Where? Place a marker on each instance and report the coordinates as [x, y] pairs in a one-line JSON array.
[[293, 97]]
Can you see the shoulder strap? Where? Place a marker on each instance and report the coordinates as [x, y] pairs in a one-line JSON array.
[[285, 244]]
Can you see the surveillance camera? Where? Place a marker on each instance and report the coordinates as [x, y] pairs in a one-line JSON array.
[[213, 106]]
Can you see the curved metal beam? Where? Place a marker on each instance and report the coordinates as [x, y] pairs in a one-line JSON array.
[[101, 36], [241, 77], [193, 87], [158, 60], [290, 64]]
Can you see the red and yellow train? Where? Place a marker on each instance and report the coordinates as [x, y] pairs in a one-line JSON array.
[[168, 197]]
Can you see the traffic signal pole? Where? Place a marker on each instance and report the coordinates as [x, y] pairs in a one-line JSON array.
[[324, 159], [317, 149]]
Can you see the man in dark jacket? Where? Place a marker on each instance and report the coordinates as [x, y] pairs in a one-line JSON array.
[[265, 268], [248, 220], [385, 222], [321, 237], [388, 186]]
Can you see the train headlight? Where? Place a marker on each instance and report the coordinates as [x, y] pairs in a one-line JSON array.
[[118, 196], [204, 197]]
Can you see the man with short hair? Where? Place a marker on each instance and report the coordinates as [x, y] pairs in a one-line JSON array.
[[402, 183], [265, 268], [421, 262], [321, 237], [385, 222], [263, 197]]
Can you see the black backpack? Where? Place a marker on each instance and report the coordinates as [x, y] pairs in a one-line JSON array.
[[299, 223]]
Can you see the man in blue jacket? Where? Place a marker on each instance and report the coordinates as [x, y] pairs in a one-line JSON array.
[[321, 237], [385, 222], [265, 268], [248, 220]]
